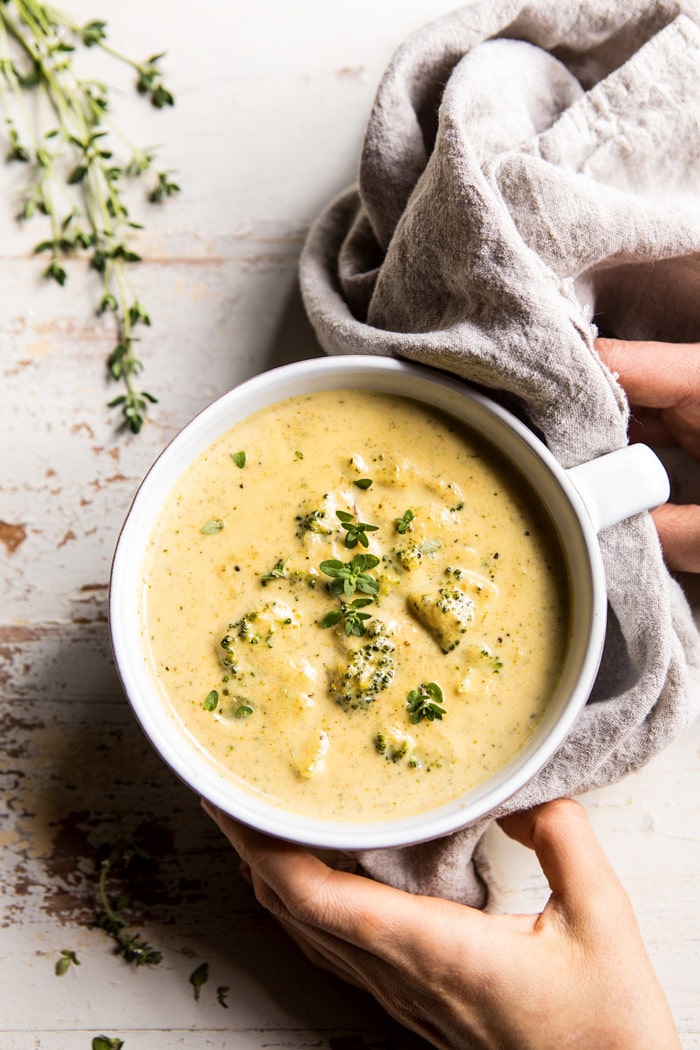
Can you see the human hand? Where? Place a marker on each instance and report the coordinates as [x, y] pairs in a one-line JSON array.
[[662, 382], [576, 976]]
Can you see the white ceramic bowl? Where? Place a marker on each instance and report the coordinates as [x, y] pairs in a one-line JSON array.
[[581, 502]]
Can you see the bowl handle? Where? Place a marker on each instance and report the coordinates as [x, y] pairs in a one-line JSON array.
[[621, 483]]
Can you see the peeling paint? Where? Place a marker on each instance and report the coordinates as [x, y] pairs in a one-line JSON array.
[[85, 428], [351, 72], [12, 536]]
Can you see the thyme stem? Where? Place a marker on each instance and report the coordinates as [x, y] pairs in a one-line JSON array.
[[85, 208]]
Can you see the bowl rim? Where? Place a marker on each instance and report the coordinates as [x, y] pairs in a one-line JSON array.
[[190, 763]]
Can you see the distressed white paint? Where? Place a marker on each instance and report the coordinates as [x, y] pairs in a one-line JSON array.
[[272, 98]]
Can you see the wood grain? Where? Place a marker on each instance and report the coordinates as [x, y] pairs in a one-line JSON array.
[[271, 104]]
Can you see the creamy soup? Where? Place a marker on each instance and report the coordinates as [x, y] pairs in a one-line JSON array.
[[354, 606]]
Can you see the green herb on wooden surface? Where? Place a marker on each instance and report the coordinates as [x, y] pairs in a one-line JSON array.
[[106, 1042], [132, 947], [199, 977], [67, 959], [79, 164]]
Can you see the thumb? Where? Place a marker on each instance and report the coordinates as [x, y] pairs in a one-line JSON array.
[[579, 874], [299, 889]]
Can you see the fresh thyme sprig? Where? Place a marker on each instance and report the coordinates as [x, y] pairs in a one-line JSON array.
[[356, 531], [67, 959], [348, 577], [58, 124], [425, 702], [349, 614], [403, 524], [132, 947], [351, 576]]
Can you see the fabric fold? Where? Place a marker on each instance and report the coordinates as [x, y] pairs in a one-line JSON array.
[[531, 174]]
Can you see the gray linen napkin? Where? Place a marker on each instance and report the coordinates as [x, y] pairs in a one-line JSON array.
[[529, 169]]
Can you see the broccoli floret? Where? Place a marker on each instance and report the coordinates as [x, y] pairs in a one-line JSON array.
[[445, 614], [314, 521], [258, 625], [396, 745], [412, 556], [370, 670], [493, 658], [393, 744], [409, 557], [316, 517]]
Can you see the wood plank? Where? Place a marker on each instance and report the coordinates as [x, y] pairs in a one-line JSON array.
[[272, 100]]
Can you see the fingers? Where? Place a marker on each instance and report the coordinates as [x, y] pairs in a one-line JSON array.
[[678, 527], [655, 375], [662, 382], [572, 859], [298, 887], [290, 873], [329, 953]]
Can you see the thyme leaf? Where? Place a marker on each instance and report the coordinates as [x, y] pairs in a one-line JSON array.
[[350, 616], [199, 977], [211, 701], [132, 947], [425, 702], [212, 526], [67, 959], [351, 576], [356, 531], [403, 524]]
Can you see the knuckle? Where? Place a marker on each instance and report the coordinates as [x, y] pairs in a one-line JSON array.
[[559, 811], [267, 897]]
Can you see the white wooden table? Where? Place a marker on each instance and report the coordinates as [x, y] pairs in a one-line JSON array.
[[272, 98]]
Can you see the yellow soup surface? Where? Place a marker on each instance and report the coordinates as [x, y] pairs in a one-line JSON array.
[[354, 606]]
